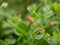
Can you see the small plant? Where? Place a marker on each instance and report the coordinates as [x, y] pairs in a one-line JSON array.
[[41, 25]]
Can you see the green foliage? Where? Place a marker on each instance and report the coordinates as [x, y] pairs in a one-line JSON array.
[[15, 30]]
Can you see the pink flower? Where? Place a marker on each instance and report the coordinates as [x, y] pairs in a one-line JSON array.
[[5, 4]]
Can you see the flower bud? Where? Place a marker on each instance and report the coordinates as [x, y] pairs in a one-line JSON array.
[[52, 24], [41, 30], [30, 19]]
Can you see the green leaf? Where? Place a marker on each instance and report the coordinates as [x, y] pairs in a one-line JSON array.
[[55, 6], [16, 19], [52, 41], [21, 25], [18, 29], [9, 41], [56, 35], [1, 42], [40, 36]]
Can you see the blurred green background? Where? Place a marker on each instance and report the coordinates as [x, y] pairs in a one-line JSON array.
[[30, 22]]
